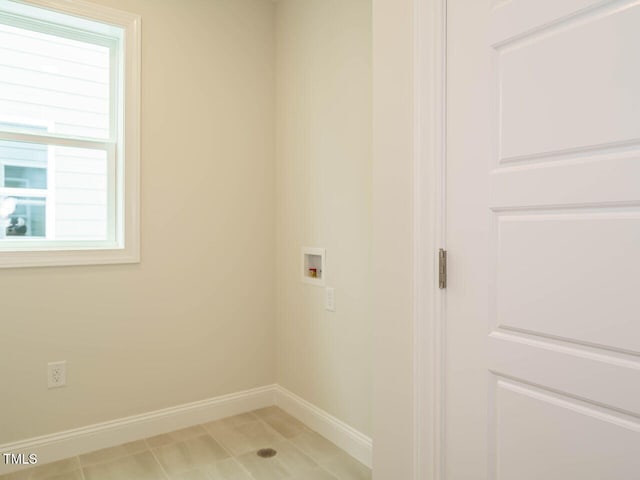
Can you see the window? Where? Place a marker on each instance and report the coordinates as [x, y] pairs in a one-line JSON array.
[[69, 134]]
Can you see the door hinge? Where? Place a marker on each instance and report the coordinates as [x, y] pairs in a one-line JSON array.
[[442, 268]]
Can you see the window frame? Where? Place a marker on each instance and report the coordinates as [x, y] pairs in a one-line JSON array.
[[123, 142]]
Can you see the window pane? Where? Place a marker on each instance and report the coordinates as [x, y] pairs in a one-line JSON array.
[[56, 83], [72, 199], [29, 218]]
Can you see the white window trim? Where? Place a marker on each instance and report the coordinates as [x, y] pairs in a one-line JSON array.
[[128, 204]]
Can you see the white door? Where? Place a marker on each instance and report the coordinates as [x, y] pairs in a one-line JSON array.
[[543, 232]]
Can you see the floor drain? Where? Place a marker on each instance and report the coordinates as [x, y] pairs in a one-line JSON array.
[[267, 452]]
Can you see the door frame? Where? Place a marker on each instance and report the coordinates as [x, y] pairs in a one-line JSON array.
[[430, 114]]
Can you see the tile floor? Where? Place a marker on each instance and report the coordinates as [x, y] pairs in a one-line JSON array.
[[220, 450]]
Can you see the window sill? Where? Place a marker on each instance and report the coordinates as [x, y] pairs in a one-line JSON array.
[[59, 258]]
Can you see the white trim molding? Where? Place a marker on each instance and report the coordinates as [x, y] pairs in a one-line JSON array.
[[57, 446], [355, 443], [61, 445], [430, 235]]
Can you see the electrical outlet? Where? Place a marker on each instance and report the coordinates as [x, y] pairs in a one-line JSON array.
[[57, 374], [330, 299]]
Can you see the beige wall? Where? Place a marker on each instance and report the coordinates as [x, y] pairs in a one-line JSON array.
[[323, 58], [195, 319], [392, 299]]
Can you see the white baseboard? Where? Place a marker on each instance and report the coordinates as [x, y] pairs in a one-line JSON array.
[[57, 446], [355, 443]]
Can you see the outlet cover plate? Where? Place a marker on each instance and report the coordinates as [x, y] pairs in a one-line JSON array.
[[57, 374]]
